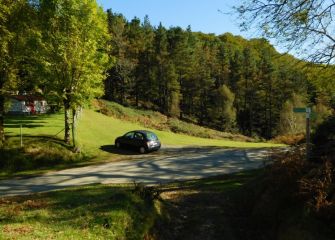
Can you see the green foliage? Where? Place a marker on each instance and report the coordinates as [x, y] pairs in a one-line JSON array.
[[224, 111], [17, 34], [74, 38]]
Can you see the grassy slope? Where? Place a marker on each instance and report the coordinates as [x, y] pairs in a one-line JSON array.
[[156, 120], [96, 130]]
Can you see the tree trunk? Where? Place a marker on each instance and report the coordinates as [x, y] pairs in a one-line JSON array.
[[74, 116], [67, 121], [2, 111]]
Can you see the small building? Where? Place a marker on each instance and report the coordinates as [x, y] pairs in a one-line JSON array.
[[27, 104]]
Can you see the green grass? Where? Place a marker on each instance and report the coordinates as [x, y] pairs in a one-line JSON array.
[[93, 212]]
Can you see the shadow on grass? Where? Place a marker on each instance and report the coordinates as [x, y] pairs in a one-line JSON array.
[[201, 209], [24, 125]]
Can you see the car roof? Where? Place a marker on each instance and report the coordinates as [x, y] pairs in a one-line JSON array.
[[143, 131]]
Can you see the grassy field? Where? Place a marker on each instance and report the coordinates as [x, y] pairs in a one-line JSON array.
[[93, 212]]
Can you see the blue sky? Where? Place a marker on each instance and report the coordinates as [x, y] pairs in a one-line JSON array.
[[202, 15]]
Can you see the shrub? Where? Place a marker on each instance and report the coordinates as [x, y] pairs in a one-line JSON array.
[[289, 139], [324, 140]]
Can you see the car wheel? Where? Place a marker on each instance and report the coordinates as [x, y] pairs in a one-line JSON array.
[[117, 145], [142, 150]]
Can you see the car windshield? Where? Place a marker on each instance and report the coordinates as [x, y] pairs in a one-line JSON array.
[[151, 137]]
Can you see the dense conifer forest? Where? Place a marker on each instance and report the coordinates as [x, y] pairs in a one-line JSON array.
[[225, 82]]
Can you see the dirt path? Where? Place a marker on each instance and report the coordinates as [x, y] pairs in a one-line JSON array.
[[170, 164]]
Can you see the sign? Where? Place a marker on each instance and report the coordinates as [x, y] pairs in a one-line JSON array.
[[300, 110], [308, 112]]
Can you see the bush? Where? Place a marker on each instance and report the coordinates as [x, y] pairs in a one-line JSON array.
[[290, 139], [324, 140], [294, 198]]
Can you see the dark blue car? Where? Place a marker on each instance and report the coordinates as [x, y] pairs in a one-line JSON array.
[[141, 140]]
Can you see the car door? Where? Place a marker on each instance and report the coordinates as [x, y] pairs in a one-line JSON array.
[[138, 139], [127, 139]]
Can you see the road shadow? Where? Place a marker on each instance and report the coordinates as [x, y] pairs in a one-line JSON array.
[[119, 151]]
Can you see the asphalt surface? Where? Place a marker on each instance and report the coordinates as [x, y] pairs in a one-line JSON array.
[[166, 165]]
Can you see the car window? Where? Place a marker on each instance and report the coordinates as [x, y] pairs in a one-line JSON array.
[[138, 136], [152, 137], [129, 135]]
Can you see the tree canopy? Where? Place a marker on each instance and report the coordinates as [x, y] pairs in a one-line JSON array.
[[307, 26], [74, 53], [224, 82]]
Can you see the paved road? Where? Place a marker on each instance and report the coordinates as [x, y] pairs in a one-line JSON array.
[[169, 164]]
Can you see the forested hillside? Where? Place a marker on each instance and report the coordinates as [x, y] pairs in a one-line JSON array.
[[225, 82]]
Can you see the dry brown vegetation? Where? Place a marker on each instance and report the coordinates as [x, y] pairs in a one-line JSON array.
[[289, 139], [294, 199]]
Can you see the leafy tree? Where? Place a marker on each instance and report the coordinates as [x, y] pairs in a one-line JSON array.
[[17, 34], [224, 112], [290, 122], [75, 34], [306, 26]]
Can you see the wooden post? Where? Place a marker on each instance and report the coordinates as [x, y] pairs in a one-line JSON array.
[[308, 132], [74, 128], [21, 140]]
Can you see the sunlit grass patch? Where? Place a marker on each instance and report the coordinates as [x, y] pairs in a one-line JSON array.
[[93, 212]]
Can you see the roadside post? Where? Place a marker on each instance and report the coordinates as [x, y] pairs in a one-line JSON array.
[[21, 140], [308, 112]]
